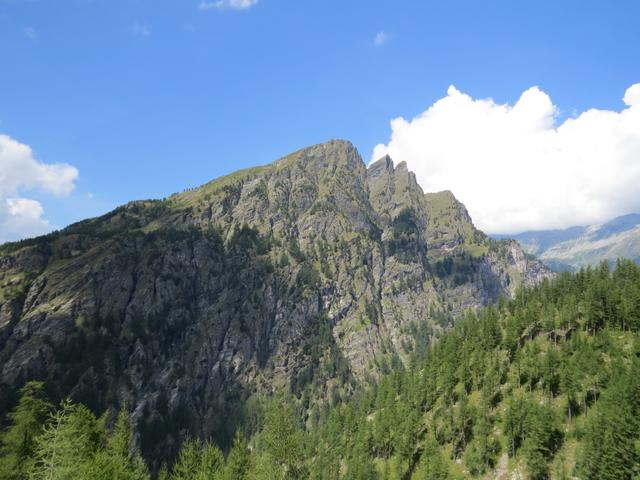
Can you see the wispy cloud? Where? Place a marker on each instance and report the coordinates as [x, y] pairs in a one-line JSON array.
[[381, 38], [30, 33], [233, 4], [141, 29]]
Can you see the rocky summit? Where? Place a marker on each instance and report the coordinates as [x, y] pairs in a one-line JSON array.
[[312, 273]]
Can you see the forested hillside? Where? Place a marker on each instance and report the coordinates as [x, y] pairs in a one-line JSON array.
[[546, 385]]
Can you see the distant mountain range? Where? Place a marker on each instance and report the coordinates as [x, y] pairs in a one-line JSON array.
[[575, 247]]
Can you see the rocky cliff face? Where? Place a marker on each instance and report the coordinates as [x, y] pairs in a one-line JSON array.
[[313, 272]]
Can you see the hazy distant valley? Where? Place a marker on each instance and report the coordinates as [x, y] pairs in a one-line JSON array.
[[576, 247]]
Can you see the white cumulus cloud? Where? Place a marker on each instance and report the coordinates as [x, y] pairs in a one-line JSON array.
[[234, 4], [515, 168], [19, 171]]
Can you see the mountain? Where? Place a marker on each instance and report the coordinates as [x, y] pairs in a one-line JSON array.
[[577, 247], [543, 386], [313, 273]]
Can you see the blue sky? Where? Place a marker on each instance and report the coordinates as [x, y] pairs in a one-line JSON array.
[[148, 97]]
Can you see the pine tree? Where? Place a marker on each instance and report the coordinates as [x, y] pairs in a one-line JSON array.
[[611, 450], [569, 386], [68, 444], [550, 376], [18, 441], [514, 423], [483, 449], [542, 438], [432, 465], [119, 460], [238, 460], [462, 425], [264, 468], [360, 466], [197, 461], [284, 440]]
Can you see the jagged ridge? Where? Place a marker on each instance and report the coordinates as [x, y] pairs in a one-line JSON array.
[[313, 272]]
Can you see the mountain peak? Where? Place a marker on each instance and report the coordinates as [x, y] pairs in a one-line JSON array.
[[329, 149], [394, 188], [402, 166], [450, 226], [444, 202], [383, 164]]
